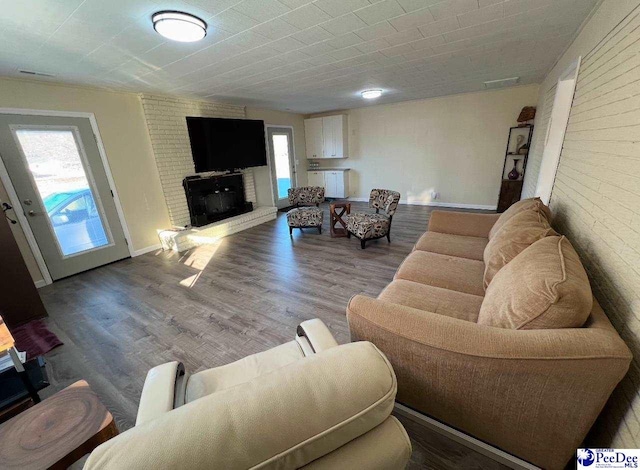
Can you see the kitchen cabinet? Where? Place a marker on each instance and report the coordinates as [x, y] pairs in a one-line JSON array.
[[334, 181], [331, 183], [313, 137], [315, 178], [326, 137]]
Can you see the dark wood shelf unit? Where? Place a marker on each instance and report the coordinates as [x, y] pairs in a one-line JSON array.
[[511, 190]]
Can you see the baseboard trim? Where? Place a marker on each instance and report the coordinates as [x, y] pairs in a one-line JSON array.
[[452, 205], [477, 445], [148, 249], [40, 283]]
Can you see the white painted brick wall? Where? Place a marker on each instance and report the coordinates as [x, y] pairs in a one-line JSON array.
[[166, 121], [596, 202]]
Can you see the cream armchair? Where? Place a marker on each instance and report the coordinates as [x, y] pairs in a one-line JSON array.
[[305, 404]]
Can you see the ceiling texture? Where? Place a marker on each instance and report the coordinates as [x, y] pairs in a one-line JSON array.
[[299, 55]]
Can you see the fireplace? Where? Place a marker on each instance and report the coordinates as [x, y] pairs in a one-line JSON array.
[[214, 198]]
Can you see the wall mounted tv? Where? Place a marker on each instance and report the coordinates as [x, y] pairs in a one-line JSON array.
[[226, 144]]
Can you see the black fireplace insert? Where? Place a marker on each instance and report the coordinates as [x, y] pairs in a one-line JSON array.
[[214, 198]]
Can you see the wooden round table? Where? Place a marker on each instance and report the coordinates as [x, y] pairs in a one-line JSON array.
[[338, 225], [57, 431]]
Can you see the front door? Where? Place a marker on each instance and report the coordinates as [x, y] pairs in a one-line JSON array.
[[283, 170], [56, 170]]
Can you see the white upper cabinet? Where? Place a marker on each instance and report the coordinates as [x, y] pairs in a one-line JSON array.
[[326, 137], [313, 137]]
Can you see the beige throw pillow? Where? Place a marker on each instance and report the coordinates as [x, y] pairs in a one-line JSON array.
[[517, 234], [525, 204], [545, 286]]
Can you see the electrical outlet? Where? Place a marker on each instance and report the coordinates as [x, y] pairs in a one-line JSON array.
[[435, 194]]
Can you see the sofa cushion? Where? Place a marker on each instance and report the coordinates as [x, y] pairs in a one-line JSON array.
[[367, 226], [525, 204], [248, 368], [452, 245], [305, 217], [517, 234], [545, 286], [448, 272], [433, 299]]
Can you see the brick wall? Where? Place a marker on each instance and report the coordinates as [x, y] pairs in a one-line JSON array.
[[596, 195], [167, 126], [597, 198]]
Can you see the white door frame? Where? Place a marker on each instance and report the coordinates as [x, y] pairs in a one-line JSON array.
[[272, 157], [570, 73], [15, 200]]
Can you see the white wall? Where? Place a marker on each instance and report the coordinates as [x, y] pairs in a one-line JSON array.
[[262, 175], [128, 149], [453, 145]]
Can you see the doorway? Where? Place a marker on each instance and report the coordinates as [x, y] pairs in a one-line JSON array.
[[282, 163], [62, 192], [555, 131]]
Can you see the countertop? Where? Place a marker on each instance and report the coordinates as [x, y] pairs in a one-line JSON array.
[[328, 169]]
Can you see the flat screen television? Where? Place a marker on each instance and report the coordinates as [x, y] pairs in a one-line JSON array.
[[226, 144]]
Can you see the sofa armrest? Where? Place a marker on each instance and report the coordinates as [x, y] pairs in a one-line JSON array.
[[469, 338], [467, 224], [162, 392], [284, 419], [521, 390], [313, 336]]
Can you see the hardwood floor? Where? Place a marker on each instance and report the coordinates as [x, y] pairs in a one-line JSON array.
[[218, 303]]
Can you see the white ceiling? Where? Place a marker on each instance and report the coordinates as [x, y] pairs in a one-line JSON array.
[[300, 55]]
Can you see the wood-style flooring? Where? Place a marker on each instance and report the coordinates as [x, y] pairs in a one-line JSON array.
[[218, 303]]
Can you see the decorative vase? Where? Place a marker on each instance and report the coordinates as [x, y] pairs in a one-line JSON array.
[[514, 174]]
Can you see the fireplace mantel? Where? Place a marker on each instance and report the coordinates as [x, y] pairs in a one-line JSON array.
[[181, 240]]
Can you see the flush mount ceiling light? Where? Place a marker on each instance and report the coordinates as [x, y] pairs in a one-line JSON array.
[[179, 26], [371, 94]]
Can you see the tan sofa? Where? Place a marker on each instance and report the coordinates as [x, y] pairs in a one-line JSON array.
[[525, 365], [308, 403]]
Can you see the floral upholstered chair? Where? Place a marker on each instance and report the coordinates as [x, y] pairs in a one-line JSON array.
[[366, 226], [307, 213]]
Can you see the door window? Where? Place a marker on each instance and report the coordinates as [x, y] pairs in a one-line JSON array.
[[283, 164], [53, 158]]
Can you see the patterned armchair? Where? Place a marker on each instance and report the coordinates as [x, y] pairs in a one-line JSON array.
[[366, 226], [307, 213]]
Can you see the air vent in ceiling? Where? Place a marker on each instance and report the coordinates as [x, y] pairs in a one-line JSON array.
[[503, 82], [37, 74]]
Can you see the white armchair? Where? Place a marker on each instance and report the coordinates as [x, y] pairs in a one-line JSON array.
[[309, 403]]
